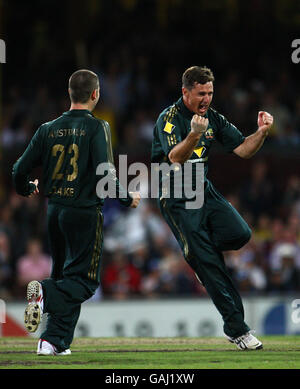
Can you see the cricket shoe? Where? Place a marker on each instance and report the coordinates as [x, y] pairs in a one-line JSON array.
[[246, 342], [46, 348], [229, 338], [34, 310]]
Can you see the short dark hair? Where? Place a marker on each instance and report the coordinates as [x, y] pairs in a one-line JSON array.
[[81, 84], [198, 75]]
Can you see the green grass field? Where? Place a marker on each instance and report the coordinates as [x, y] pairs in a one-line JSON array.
[[280, 352]]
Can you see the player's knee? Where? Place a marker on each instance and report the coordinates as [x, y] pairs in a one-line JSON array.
[[247, 234], [244, 237], [236, 240]]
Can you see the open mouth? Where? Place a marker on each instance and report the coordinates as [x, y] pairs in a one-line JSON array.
[[203, 108]]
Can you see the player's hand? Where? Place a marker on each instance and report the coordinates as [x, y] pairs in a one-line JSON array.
[[264, 121], [199, 124], [136, 199], [36, 191]]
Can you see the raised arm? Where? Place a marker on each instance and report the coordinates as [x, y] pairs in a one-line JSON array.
[[253, 142]]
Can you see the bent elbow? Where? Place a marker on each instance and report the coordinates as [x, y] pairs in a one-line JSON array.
[[171, 157], [246, 156], [174, 159], [243, 154]]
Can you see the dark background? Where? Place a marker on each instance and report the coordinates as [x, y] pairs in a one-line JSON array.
[[139, 49]]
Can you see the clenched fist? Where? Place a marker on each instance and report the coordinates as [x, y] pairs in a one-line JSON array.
[[264, 121], [199, 124]]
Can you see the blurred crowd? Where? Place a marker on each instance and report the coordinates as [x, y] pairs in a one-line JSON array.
[[141, 258], [140, 76]]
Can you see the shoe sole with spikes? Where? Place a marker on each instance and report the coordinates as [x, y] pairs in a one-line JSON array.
[[32, 317], [34, 310], [33, 291]]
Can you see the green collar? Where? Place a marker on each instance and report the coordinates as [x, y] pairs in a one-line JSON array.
[[78, 112]]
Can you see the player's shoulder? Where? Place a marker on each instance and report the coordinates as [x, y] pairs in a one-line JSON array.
[[46, 127], [169, 114], [102, 125], [95, 122], [214, 113], [52, 123], [167, 119], [101, 128], [215, 116]]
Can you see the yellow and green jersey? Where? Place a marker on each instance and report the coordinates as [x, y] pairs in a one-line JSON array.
[[69, 149], [173, 126]]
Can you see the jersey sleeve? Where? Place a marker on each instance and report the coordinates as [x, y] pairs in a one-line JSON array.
[[167, 134], [228, 135], [31, 158], [101, 149]]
